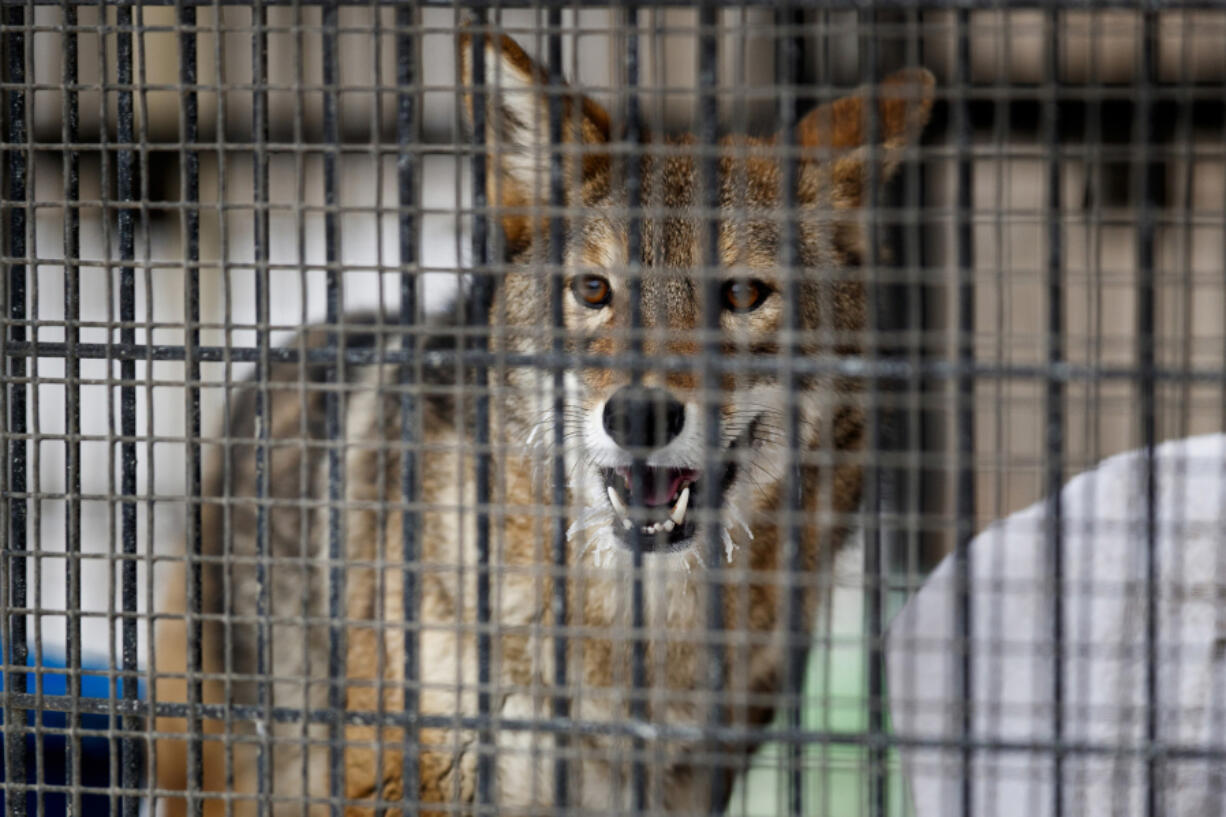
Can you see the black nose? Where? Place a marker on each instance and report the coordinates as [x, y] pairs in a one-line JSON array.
[[638, 418]]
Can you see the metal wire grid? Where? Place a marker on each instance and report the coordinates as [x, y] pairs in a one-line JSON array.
[[883, 372]]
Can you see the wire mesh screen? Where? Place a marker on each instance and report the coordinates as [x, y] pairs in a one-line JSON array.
[[560, 408]]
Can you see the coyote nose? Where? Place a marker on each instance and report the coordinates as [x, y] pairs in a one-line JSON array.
[[638, 418]]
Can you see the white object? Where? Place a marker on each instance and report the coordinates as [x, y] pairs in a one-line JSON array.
[[1105, 705]]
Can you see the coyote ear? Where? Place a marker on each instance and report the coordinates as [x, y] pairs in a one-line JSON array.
[[904, 103], [516, 93]]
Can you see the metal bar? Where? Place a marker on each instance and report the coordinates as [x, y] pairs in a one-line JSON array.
[[708, 185], [1217, 797], [333, 411], [306, 480], [1147, 190], [226, 582], [407, 133], [1024, 109], [125, 124], [261, 241], [386, 494], [1023, 105], [635, 256], [557, 200], [910, 551], [106, 194], [482, 291], [1138, 749], [70, 128], [847, 5], [916, 435], [729, 734], [964, 413], [879, 317], [848, 366], [14, 575], [142, 196], [36, 775], [787, 73], [190, 180], [1055, 425], [825, 76]]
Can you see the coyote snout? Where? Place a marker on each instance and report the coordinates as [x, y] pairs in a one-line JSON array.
[[661, 505], [650, 424]]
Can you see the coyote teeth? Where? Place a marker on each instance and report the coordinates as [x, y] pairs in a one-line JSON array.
[[683, 501], [617, 503], [675, 518]]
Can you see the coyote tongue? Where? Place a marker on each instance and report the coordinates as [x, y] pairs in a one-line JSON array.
[[660, 485]]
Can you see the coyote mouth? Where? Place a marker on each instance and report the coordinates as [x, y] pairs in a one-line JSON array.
[[665, 522]]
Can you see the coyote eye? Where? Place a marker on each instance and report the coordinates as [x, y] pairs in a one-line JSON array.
[[592, 290], [744, 295]]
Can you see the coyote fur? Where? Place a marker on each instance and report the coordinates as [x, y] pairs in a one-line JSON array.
[[609, 421]]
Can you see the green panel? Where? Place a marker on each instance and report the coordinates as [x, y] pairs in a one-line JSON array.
[[836, 776]]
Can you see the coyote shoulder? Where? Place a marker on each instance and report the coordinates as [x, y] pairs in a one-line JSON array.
[[640, 476]]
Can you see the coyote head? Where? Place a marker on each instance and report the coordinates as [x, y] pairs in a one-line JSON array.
[[663, 418]]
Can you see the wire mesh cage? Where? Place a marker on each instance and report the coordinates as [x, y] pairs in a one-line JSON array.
[[573, 408]]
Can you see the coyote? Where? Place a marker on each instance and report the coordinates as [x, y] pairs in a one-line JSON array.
[[611, 418]]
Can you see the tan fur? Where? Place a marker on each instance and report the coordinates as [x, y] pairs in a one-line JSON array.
[[599, 579]]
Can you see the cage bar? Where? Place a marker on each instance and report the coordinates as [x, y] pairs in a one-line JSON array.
[[820, 365], [126, 194], [333, 406], [16, 546], [634, 273], [1054, 421], [707, 125], [407, 133], [875, 565], [559, 606], [261, 258], [837, 5], [194, 544], [1171, 750], [479, 316], [70, 114], [964, 434], [788, 58], [1147, 192]]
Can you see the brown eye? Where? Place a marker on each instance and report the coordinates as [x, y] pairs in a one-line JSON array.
[[592, 290], [744, 295]]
